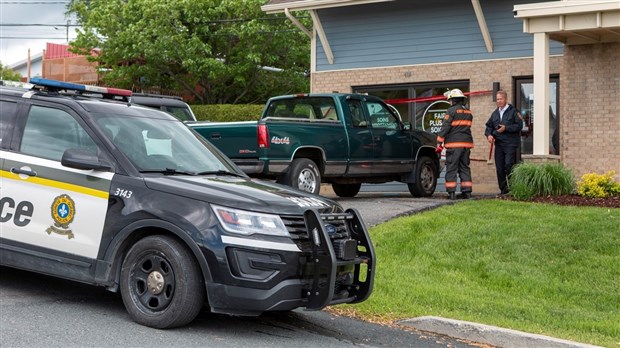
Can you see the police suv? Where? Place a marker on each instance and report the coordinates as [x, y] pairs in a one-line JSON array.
[[118, 195]]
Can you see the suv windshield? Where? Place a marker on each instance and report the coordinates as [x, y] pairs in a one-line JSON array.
[[166, 146]]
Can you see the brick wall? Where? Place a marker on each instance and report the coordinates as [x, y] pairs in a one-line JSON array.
[[481, 75], [590, 109]]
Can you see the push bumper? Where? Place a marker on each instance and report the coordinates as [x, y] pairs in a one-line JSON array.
[[332, 270]]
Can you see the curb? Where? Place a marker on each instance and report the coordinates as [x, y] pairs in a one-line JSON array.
[[495, 336]]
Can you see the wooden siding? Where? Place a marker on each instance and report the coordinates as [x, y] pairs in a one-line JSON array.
[[409, 32]]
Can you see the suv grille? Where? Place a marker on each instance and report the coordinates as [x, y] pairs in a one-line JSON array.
[[336, 225]]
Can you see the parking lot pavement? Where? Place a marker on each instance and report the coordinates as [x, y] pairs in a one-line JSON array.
[[376, 208]]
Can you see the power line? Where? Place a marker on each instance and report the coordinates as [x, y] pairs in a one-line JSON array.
[[31, 38], [38, 25], [35, 2]]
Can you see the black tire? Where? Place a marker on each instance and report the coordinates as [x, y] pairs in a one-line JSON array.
[[426, 178], [161, 283], [346, 190], [303, 175]]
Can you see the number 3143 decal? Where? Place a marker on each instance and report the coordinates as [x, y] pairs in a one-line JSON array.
[[123, 193]]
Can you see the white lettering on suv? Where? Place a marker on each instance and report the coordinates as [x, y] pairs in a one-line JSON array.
[[307, 202]]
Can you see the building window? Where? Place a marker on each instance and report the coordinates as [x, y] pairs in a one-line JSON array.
[[524, 102], [422, 104]]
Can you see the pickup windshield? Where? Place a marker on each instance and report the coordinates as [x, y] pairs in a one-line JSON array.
[[163, 146]]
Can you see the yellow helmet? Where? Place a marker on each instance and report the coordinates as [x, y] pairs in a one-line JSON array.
[[455, 93]]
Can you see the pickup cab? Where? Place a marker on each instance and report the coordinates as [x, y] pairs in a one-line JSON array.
[[344, 139]]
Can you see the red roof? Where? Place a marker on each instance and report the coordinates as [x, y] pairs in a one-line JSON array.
[[53, 51]]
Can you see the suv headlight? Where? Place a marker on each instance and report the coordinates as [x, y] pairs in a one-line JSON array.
[[248, 222]]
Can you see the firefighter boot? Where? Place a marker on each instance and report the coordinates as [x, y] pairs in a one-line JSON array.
[[451, 196], [465, 195]]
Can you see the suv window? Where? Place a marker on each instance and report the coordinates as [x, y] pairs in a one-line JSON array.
[[49, 132], [9, 111], [182, 113], [172, 105]]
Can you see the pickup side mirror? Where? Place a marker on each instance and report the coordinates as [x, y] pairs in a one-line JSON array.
[[84, 160]]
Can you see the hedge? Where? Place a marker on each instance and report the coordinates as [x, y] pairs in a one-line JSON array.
[[227, 112]]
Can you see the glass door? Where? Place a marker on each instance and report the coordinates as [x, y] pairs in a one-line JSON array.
[[524, 102]]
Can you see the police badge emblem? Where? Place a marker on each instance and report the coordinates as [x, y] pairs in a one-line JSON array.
[[63, 212]]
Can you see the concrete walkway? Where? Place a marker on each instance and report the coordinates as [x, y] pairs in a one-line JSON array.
[[492, 335]]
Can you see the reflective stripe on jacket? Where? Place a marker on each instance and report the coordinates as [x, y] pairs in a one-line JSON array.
[[456, 128]]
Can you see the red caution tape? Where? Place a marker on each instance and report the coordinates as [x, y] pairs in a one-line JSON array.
[[433, 98]]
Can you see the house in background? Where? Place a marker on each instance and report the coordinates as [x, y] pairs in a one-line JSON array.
[[33, 70], [57, 63], [558, 61], [60, 64]]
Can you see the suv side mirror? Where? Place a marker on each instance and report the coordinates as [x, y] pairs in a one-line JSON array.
[[84, 160]]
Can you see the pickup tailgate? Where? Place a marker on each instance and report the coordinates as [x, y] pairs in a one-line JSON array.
[[237, 140]]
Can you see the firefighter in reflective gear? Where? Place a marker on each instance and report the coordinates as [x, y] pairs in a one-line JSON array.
[[455, 134]]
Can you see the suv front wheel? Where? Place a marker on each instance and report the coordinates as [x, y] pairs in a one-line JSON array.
[[161, 283]]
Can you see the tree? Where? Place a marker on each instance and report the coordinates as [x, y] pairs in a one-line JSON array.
[[7, 74], [215, 50]]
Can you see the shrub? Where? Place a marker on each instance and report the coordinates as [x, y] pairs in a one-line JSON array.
[[598, 185], [227, 112], [547, 179]]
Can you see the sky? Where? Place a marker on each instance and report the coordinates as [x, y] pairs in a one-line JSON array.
[[16, 40]]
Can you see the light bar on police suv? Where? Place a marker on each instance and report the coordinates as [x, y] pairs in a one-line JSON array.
[[77, 87]]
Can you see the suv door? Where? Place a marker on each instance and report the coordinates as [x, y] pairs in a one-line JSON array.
[[8, 214], [61, 210], [391, 143]]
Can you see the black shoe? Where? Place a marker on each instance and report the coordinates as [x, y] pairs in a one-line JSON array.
[[451, 196], [464, 195]]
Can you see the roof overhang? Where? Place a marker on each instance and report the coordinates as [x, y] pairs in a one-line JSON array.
[[573, 22], [306, 5], [286, 6]]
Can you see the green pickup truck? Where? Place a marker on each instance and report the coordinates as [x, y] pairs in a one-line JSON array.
[[344, 139]]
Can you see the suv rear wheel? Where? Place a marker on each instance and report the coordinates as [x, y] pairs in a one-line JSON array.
[[161, 283]]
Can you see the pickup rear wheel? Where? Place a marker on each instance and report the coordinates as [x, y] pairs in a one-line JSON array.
[[303, 175], [426, 178], [346, 190], [161, 283]]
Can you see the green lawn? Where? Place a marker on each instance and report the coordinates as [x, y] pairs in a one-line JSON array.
[[537, 268]]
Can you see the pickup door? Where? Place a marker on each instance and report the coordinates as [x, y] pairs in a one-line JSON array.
[[392, 146]]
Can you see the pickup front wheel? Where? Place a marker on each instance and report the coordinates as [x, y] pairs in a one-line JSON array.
[[303, 175], [426, 178]]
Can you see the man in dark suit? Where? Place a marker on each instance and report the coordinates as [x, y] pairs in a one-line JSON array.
[[503, 129]]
